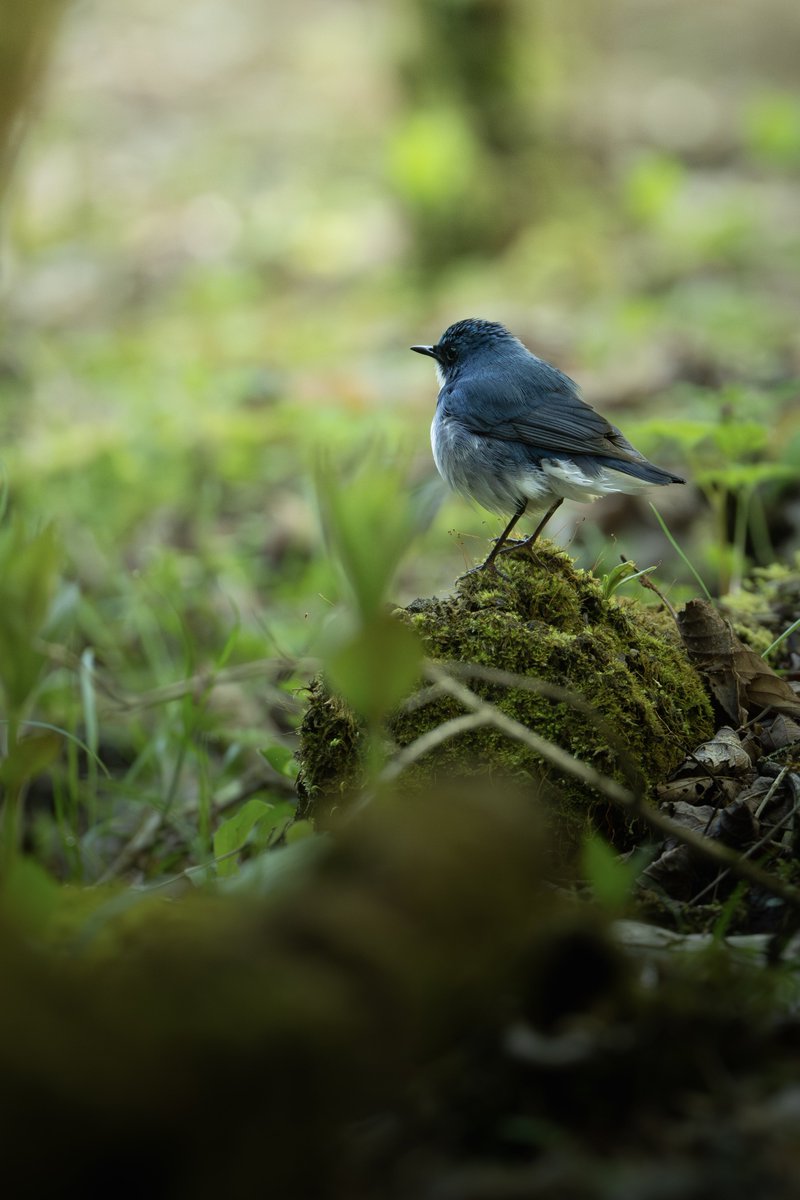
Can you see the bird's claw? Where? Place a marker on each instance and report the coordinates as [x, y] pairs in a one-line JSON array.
[[485, 566], [518, 544]]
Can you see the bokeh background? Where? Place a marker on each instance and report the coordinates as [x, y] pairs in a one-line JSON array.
[[227, 223]]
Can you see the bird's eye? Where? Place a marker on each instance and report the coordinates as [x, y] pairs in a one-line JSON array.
[[447, 355]]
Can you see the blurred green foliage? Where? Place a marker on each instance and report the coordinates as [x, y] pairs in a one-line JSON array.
[[29, 566], [612, 877], [370, 517], [27, 35], [772, 128]]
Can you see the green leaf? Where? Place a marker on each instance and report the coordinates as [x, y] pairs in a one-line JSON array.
[[378, 667], [299, 830], [29, 568], [611, 880], [272, 826], [736, 440], [232, 834], [623, 573], [772, 128], [29, 757], [29, 894], [653, 185], [739, 476], [280, 870], [369, 517], [282, 759]]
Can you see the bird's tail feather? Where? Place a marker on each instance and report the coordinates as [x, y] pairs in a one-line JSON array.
[[646, 471]]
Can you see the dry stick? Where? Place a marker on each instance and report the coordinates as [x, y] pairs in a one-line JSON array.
[[143, 837], [200, 682], [776, 783], [206, 681], [551, 753], [756, 846], [647, 582], [429, 741], [484, 713], [527, 683], [551, 691]]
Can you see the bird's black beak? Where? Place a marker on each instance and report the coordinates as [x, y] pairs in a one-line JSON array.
[[431, 351]]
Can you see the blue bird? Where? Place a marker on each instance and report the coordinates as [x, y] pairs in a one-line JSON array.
[[512, 432]]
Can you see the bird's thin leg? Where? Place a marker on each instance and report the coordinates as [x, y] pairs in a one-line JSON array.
[[488, 564], [528, 543]]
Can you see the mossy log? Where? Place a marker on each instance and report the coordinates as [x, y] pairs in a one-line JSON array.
[[546, 620]]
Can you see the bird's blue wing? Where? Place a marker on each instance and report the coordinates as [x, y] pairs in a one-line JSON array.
[[537, 406]]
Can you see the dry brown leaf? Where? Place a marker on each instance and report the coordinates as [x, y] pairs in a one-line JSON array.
[[741, 681], [674, 873], [696, 817], [780, 733], [735, 825], [694, 789], [724, 754], [720, 766]]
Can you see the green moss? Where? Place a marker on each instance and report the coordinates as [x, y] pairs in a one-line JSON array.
[[330, 750], [549, 621], [766, 604]]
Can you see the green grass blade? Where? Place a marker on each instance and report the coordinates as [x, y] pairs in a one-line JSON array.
[[679, 551], [782, 637]]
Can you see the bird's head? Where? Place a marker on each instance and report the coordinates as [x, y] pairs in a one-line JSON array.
[[464, 342]]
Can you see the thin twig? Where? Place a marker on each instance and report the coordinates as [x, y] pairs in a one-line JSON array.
[[488, 714], [756, 846], [198, 683], [776, 783], [419, 699], [429, 741], [555, 755], [647, 582], [527, 683], [540, 687]]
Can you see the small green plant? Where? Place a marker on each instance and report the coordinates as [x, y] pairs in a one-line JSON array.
[[732, 462], [624, 572], [611, 877], [258, 823], [29, 575], [369, 519]]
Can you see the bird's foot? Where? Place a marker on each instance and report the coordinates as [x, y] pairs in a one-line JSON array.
[[485, 566], [519, 544]]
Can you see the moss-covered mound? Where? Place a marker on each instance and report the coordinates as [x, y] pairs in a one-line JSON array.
[[549, 621]]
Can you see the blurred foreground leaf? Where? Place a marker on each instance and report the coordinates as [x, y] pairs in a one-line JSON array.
[[29, 757], [377, 667], [369, 517], [25, 37], [611, 878], [28, 575]]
